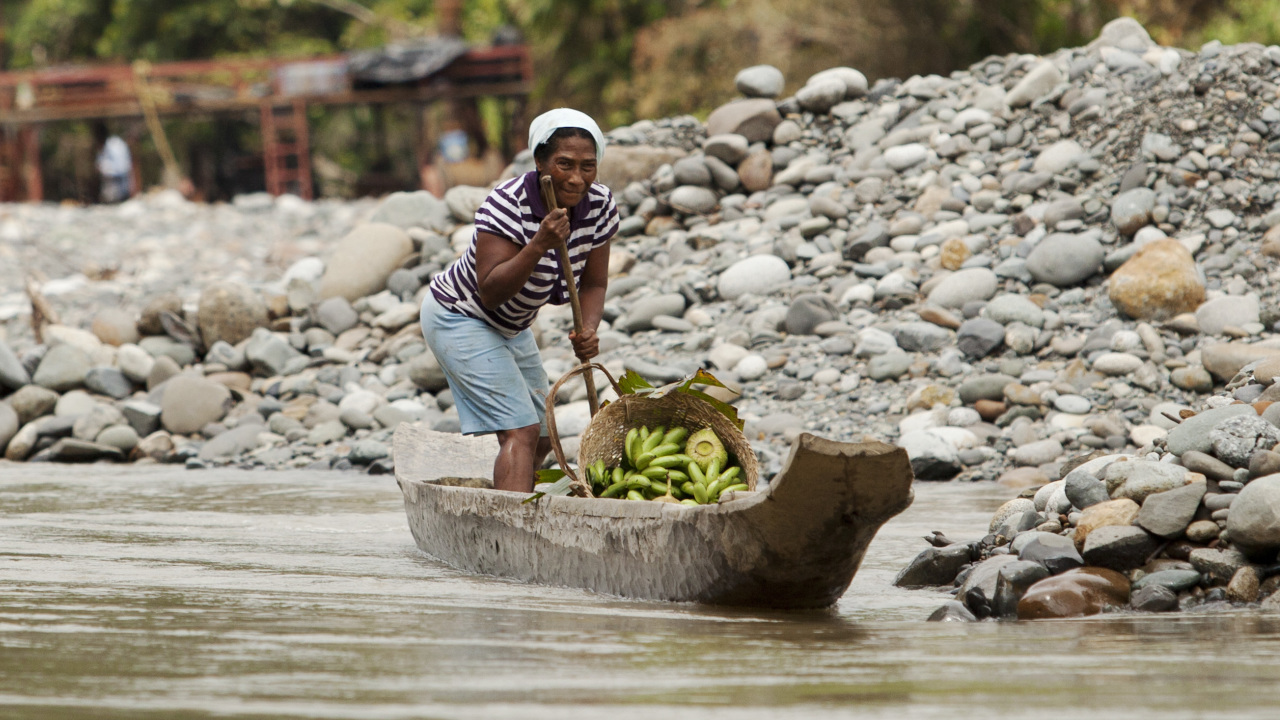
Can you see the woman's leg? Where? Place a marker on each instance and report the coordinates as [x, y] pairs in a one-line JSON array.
[[517, 459]]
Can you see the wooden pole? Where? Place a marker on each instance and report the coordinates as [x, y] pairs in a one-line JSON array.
[[549, 198]]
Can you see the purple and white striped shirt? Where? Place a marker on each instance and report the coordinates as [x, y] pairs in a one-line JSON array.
[[514, 210]]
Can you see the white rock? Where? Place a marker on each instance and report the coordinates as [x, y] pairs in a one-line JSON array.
[[757, 275], [751, 367]]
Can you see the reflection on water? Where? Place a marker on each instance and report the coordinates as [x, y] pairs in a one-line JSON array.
[[159, 593]]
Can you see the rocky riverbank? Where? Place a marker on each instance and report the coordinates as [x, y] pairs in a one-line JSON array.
[[1000, 270]]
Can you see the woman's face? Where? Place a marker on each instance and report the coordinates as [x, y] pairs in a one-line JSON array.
[[572, 167]]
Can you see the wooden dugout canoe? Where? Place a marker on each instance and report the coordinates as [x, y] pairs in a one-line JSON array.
[[795, 544]]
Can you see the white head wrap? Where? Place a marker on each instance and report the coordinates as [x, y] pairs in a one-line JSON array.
[[548, 122]]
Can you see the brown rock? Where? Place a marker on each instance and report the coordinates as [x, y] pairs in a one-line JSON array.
[[954, 252], [1074, 593], [230, 312], [931, 200], [114, 326], [930, 396], [1112, 512], [1268, 370], [753, 119], [234, 380], [989, 410], [1224, 360], [1271, 242], [940, 316], [1023, 477], [756, 172], [1020, 394], [149, 322], [1244, 585], [1157, 283]]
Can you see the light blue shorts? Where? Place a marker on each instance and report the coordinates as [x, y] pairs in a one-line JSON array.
[[498, 383]]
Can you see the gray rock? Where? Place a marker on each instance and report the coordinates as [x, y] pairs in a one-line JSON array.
[[364, 452], [1012, 583], [229, 312], [1037, 453], [1235, 439], [1254, 522], [223, 353], [191, 402], [979, 337], [89, 425], [356, 419], [1211, 467], [1063, 259], [819, 97], [889, 366], [142, 416], [71, 450], [1118, 547], [1215, 315], [270, 354], [1217, 564], [62, 368], [935, 566], [807, 312], [108, 381], [1131, 210], [1056, 553], [920, 336], [336, 315], [753, 118], [984, 387], [122, 437], [162, 346], [1173, 579], [463, 201], [1137, 479], [1167, 514], [326, 432], [694, 200], [1010, 308], [692, 170], [1035, 84], [134, 362], [12, 374], [414, 209], [760, 81], [756, 275], [932, 457], [964, 286], [641, 313], [1084, 490], [855, 83], [236, 441], [952, 611], [1154, 598], [731, 149], [978, 591], [364, 259], [1193, 432]]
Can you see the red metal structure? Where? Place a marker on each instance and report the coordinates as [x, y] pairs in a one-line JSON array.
[[278, 90]]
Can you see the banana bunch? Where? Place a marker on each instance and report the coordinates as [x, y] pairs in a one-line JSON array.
[[659, 464]]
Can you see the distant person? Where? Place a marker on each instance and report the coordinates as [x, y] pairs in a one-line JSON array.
[[115, 165]]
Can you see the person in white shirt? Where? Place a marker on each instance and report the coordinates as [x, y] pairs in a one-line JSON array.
[[115, 165]]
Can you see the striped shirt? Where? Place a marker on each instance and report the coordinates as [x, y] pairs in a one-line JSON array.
[[514, 210]]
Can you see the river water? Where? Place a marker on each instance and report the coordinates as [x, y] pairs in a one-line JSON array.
[[151, 592]]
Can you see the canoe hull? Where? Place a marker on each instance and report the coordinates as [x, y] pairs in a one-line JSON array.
[[796, 544]]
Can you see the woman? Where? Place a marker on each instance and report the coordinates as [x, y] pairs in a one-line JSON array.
[[476, 317]]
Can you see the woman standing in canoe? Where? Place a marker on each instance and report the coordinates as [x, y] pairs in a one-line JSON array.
[[477, 315]]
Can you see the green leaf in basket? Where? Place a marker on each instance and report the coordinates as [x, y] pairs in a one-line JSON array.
[[724, 408], [631, 382]]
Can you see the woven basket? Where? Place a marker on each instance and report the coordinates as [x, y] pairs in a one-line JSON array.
[[605, 436]]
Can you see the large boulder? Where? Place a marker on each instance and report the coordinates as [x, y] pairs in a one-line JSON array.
[[624, 164], [414, 209], [363, 260], [754, 119], [1158, 282], [190, 402], [1254, 520], [229, 312], [757, 274]]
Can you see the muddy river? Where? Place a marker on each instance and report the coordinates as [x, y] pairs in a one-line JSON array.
[[152, 592]]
